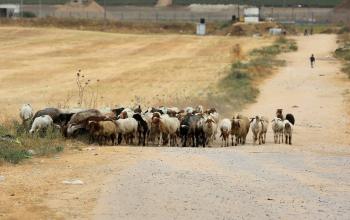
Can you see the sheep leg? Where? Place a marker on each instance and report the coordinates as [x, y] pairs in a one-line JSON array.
[[204, 139], [170, 140], [184, 140], [113, 139], [290, 140], [175, 140], [193, 140], [120, 138], [144, 138], [160, 138], [100, 140], [281, 138], [286, 139], [197, 140]]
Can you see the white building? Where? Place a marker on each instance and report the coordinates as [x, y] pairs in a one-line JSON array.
[[251, 15], [9, 10]]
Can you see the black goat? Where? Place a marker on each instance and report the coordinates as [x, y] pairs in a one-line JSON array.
[[290, 118], [142, 128]]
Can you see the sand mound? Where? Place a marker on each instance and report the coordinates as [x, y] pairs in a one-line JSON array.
[[344, 5], [244, 29], [164, 3], [88, 6]]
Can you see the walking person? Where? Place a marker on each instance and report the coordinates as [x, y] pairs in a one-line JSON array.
[[312, 61]]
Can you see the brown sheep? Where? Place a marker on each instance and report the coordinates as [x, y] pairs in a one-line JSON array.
[[103, 130], [239, 129]]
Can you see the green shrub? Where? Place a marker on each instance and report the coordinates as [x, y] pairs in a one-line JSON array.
[[28, 14], [346, 69], [238, 87], [343, 53], [17, 147], [344, 30]]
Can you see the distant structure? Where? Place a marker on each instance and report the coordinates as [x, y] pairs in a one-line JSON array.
[[251, 15], [164, 3], [9, 10], [80, 6]]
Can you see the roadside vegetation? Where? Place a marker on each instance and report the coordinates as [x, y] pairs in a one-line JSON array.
[[239, 86], [343, 52], [316, 28], [16, 144]]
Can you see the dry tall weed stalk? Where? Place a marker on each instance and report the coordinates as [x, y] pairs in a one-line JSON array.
[[82, 83], [236, 53]]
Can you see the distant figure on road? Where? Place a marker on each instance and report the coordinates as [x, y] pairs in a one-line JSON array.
[[312, 60], [305, 32], [311, 31]]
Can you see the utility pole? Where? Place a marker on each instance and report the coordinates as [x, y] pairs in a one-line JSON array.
[[21, 8], [105, 12], [40, 8]]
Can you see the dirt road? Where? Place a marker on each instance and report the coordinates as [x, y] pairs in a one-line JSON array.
[[318, 97], [309, 180]]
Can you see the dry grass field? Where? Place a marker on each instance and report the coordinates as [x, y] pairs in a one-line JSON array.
[[38, 66]]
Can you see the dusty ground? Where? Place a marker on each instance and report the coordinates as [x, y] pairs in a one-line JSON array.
[[318, 98], [38, 66], [307, 180]]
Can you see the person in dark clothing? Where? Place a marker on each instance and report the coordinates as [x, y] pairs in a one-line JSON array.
[[312, 60], [305, 32]]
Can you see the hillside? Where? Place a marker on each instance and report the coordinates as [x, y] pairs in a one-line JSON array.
[[131, 68]]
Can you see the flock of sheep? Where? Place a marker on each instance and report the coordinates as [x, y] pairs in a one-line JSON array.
[[158, 126]]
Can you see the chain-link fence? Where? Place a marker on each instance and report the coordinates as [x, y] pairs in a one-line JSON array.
[[132, 13]]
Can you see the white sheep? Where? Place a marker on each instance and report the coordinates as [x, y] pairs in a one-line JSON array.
[[126, 113], [128, 128], [173, 109], [257, 129], [277, 128], [26, 113], [189, 110], [288, 131], [199, 109], [225, 129], [265, 124], [41, 124], [209, 128], [169, 126]]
